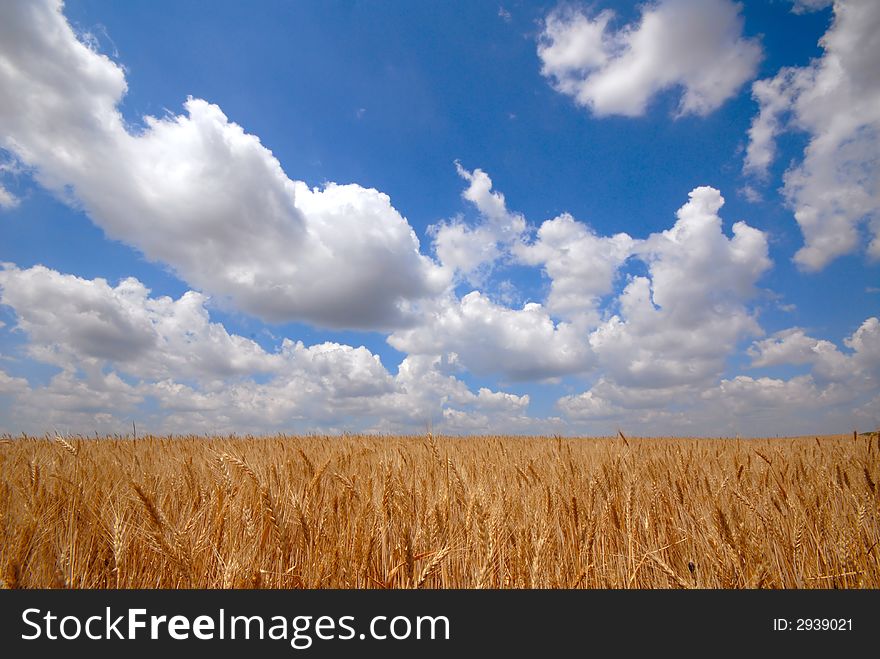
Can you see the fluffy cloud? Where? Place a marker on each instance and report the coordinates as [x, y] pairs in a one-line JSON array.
[[588, 405], [742, 405], [676, 326], [838, 393], [118, 348], [835, 189], [793, 346], [608, 399], [322, 392], [97, 392], [865, 342], [195, 191], [797, 405], [773, 97], [73, 320], [679, 324], [329, 385], [487, 338], [428, 392], [695, 45], [11, 385], [471, 251], [7, 199], [582, 266], [840, 383], [829, 364]]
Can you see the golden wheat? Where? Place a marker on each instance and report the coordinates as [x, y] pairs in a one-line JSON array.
[[440, 512]]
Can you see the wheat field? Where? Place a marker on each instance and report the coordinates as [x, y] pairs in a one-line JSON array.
[[439, 512]]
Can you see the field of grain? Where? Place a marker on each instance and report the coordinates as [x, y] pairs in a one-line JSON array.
[[440, 512]]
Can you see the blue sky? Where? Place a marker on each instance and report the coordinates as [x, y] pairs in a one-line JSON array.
[[514, 140]]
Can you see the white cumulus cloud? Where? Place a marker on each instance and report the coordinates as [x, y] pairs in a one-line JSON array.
[[582, 265], [839, 392], [488, 338], [118, 347], [470, 251], [834, 189], [794, 346], [679, 324], [87, 321], [693, 45], [10, 384], [197, 192]]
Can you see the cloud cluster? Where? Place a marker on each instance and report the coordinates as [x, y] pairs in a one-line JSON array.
[[680, 323], [677, 326], [674, 328], [648, 346], [694, 45], [835, 188], [11, 385], [118, 347], [69, 319], [839, 391], [489, 339], [196, 192], [582, 266], [471, 251], [793, 346]]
